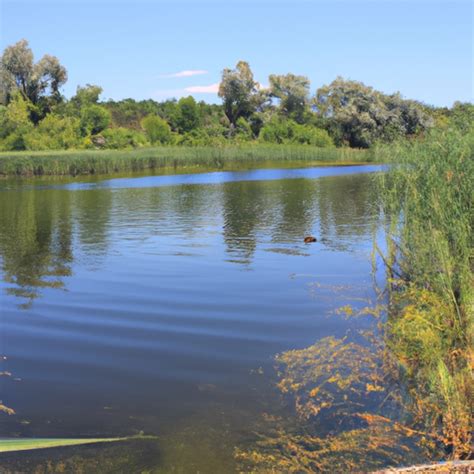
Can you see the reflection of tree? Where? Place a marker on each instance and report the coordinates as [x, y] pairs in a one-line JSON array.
[[297, 201], [35, 240], [244, 209], [346, 206], [92, 211]]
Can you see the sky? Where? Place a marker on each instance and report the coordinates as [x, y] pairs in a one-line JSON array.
[[161, 49]]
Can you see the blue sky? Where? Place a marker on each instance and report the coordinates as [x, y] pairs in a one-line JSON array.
[[134, 49]]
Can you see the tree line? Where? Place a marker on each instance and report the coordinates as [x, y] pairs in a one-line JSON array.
[[34, 115]]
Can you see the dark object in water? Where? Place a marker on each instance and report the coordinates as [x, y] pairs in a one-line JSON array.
[[308, 239]]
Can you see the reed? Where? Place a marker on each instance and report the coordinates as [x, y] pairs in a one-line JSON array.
[[63, 163], [431, 320]]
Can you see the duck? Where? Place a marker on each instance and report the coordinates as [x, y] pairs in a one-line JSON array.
[[309, 239]]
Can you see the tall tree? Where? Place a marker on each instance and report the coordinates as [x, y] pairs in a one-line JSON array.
[[239, 92], [36, 82], [359, 115], [293, 93]]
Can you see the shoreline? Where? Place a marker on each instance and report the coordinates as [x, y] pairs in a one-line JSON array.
[[111, 162]]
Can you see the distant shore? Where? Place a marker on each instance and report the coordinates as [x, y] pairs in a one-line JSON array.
[[88, 162]]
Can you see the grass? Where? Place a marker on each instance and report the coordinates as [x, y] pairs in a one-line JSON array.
[[80, 162], [431, 320]]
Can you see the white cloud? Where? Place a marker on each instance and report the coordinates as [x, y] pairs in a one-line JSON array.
[[211, 89], [186, 73]]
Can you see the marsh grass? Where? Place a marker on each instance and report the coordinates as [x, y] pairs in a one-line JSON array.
[[430, 326], [73, 163]]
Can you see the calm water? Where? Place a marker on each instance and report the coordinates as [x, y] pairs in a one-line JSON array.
[[157, 304]]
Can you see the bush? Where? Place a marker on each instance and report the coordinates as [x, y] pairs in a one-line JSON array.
[[156, 129], [120, 138], [94, 119], [279, 130], [54, 133]]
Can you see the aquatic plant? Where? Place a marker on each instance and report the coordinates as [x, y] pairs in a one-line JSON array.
[[110, 161], [430, 196]]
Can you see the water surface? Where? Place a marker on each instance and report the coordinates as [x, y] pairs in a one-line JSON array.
[[157, 304]]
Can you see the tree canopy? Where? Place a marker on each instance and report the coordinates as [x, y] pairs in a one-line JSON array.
[[35, 115]]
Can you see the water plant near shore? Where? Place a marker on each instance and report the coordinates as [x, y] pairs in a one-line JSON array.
[[430, 328], [112, 161]]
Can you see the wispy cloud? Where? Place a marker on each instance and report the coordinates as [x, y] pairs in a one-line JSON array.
[[186, 73], [211, 89]]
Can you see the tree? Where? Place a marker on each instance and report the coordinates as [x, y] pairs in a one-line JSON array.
[[15, 123], [293, 93], [359, 115], [156, 129], [36, 82], [187, 115], [239, 92], [87, 95], [94, 119]]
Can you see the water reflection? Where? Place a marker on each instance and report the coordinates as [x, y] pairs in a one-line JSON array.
[[37, 227], [178, 298]]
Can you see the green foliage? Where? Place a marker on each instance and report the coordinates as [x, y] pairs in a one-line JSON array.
[[431, 326], [15, 123], [206, 157], [87, 95], [156, 129], [279, 130], [38, 83], [55, 133], [94, 119], [187, 116], [360, 116], [122, 138], [461, 116], [293, 93], [239, 92]]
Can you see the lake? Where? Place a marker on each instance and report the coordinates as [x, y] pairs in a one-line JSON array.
[[157, 305]]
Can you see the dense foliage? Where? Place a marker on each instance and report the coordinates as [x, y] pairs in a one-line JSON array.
[[430, 259], [35, 116]]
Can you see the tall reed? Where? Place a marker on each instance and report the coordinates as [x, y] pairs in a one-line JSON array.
[[110, 161], [430, 327]]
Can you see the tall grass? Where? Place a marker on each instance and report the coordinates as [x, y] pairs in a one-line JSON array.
[[111, 161], [430, 326]]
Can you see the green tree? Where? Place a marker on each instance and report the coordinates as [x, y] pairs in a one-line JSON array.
[[293, 94], [94, 119], [239, 92], [55, 133], [86, 95], [156, 129], [359, 115], [39, 83], [187, 116], [15, 123], [120, 138]]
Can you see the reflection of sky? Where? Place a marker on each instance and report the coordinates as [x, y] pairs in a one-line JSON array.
[[222, 177]]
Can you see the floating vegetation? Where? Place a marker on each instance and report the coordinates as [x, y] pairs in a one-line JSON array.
[[348, 413]]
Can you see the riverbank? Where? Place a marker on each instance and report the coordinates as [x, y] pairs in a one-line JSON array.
[[430, 329], [86, 162]]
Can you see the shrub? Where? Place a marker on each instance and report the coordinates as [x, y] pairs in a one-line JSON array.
[[156, 129], [55, 133], [94, 119], [119, 138]]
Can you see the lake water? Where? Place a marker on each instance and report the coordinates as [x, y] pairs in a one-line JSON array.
[[157, 304]]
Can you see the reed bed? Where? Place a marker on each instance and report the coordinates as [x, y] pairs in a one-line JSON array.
[[430, 262], [79, 162]]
